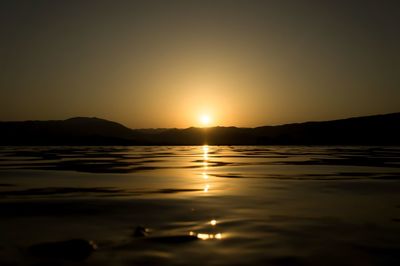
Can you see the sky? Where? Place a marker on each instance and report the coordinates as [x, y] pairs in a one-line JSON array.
[[150, 64]]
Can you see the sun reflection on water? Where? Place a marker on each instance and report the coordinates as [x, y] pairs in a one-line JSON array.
[[205, 149], [205, 236], [209, 236], [206, 187]]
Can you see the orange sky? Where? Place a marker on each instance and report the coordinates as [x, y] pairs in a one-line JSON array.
[[166, 63]]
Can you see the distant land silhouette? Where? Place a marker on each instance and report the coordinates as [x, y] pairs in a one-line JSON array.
[[367, 130]]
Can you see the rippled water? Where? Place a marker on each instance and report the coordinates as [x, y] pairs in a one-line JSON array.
[[203, 205]]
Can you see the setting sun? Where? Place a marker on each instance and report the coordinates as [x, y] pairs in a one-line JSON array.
[[205, 120]]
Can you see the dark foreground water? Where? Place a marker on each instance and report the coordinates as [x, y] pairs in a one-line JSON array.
[[200, 205]]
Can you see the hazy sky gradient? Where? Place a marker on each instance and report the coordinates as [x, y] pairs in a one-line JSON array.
[[164, 63]]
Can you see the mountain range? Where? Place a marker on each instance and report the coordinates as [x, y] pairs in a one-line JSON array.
[[367, 130]]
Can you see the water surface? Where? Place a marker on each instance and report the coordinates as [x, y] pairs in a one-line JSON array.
[[203, 205]]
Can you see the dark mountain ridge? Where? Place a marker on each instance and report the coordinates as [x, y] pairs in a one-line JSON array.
[[367, 130], [73, 131]]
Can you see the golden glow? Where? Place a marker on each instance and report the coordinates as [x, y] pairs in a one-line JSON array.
[[205, 175], [207, 236], [205, 120], [203, 236], [205, 149]]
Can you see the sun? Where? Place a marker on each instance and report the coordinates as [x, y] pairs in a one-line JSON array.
[[205, 120]]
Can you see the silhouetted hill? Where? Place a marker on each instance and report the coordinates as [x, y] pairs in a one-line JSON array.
[[368, 130], [73, 131], [377, 129]]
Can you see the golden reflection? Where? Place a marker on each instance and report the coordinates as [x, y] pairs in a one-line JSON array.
[[205, 152], [213, 222], [205, 149], [207, 236], [203, 236]]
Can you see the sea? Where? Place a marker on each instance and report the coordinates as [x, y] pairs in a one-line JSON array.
[[200, 205]]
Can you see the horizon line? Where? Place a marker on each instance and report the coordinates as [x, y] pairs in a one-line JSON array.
[[197, 127]]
